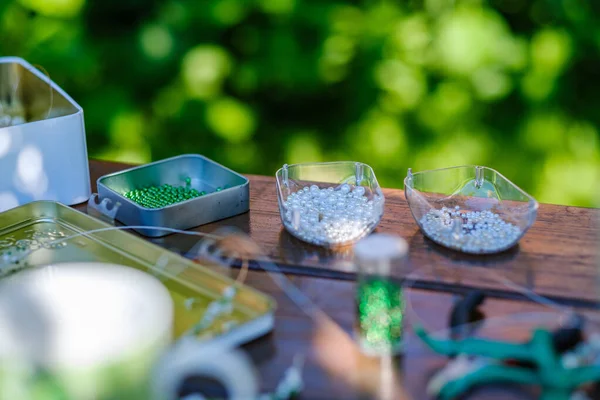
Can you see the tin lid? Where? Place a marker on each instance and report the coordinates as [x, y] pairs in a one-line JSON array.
[[380, 246]]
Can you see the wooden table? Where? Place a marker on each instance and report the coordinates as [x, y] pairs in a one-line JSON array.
[[557, 258]]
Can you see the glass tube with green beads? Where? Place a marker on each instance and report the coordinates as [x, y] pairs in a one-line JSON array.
[[381, 265]]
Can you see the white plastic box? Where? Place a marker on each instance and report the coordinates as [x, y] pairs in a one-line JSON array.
[[43, 153]]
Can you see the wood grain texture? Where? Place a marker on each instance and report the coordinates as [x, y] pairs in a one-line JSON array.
[[297, 333], [558, 256]]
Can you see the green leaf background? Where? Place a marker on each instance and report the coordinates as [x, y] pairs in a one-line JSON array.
[[509, 84]]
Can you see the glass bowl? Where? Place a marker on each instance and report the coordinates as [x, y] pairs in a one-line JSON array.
[[472, 209], [329, 204]]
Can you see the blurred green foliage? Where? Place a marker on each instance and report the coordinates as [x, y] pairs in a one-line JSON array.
[[510, 84]]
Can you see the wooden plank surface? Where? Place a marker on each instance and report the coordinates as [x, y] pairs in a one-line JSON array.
[[332, 365], [558, 257], [555, 257]]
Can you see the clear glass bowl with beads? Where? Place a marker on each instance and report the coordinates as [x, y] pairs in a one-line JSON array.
[[330, 203], [472, 209]]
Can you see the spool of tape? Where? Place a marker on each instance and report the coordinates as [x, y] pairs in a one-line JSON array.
[[211, 360]]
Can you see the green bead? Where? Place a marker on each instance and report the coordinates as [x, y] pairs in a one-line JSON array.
[[377, 297], [164, 195]]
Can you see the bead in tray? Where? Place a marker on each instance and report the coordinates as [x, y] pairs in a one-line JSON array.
[[329, 204], [471, 209]]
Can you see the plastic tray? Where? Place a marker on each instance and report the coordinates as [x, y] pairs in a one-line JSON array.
[[35, 225]]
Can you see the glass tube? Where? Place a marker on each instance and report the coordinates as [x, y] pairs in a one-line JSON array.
[[381, 265]]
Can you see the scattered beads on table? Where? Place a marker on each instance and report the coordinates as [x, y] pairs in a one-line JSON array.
[[469, 231]]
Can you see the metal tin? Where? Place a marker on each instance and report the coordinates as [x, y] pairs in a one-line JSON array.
[[43, 153], [34, 225], [205, 174]]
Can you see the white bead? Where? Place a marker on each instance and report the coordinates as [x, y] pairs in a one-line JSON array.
[[359, 191], [481, 231], [331, 216]]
